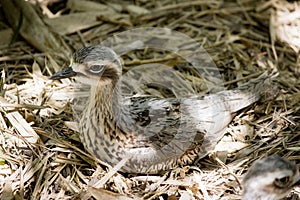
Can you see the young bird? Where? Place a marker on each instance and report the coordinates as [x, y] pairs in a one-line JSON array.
[[270, 178], [155, 134]]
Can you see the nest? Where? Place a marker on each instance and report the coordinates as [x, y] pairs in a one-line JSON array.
[[41, 155]]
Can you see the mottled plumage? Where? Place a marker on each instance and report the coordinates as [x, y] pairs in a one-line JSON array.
[[156, 134]]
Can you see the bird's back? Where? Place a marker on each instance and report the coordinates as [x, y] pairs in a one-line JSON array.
[[174, 131]]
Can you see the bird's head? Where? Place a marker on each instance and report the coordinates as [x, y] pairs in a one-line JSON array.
[[270, 178], [93, 65]]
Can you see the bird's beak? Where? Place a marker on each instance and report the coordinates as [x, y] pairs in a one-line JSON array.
[[65, 73]]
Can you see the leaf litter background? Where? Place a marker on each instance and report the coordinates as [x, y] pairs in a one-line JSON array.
[[41, 156]]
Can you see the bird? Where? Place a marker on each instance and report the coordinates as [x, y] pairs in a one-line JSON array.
[[270, 178], [155, 134]]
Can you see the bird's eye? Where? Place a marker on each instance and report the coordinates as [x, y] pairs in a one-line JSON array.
[[96, 68], [282, 182]]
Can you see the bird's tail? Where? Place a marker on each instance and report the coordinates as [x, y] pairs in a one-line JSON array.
[[250, 92]]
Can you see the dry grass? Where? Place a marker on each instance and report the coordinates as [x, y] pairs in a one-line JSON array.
[[42, 158]]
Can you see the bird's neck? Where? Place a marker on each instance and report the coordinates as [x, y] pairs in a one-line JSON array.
[[98, 125], [106, 100]]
